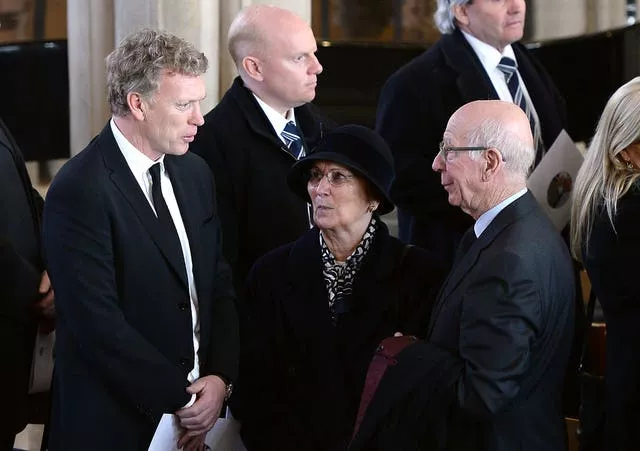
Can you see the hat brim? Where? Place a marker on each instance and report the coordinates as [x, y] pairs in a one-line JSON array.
[[298, 177]]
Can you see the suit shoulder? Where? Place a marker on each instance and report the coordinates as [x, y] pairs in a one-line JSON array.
[[418, 67]]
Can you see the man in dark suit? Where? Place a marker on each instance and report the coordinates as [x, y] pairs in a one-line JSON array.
[[503, 322], [147, 320], [244, 139], [25, 292], [417, 101]]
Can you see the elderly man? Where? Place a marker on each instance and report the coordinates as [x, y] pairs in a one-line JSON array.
[[147, 320], [262, 125], [501, 330], [477, 58]]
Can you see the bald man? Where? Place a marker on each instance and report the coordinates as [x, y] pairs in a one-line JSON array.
[[262, 125], [501, 330]]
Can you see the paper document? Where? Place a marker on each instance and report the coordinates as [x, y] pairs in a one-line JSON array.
[[224, 436], [552, 181], [42, 363]]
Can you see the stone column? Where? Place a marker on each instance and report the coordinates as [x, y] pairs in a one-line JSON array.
[[96, 26], [90, 37]]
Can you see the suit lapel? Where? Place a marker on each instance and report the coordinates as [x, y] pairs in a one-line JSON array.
[[180, 182], [511, 213], [126, 183], [305, 301], [256, 119], [372, 296], [473, 82]]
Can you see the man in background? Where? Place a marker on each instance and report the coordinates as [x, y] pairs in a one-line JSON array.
[[263, 124], [478, 57], [26, 296]]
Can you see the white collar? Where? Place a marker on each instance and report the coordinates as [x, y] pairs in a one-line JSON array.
[[488, 55], [488, 216], [138, 162], [277, 120]]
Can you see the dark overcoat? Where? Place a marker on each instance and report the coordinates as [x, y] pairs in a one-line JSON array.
[[610, 262], [490, 374], [250, 164], [413, 110], [301, 376]]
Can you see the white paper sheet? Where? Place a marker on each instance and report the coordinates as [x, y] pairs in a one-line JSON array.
[[553, 180], [224, 436], [42, 363]]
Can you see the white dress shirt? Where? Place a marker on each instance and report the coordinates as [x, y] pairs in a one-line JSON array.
[[139, 165], [490, 57], [277, 120]]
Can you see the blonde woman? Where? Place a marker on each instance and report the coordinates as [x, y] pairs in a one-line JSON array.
[[605, 236]]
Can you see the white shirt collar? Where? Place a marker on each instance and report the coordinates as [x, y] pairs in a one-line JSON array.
[[488, 216], [138, 162], [277, 120], [489, 56]]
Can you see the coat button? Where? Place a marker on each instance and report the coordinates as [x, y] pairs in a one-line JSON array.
[[184, 363], [183, 306]]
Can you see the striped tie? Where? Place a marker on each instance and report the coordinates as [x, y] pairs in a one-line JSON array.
[[293, 140], [508, 67]]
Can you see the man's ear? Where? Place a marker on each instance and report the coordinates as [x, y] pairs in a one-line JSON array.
[[493, 161], [136, 105], [460, 14], [253, 67]]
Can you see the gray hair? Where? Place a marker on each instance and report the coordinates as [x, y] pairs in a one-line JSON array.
[[603, 177], [518, 155], [139, 61], [444, 18]]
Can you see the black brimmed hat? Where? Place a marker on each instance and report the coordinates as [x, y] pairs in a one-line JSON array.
[[356, 147]]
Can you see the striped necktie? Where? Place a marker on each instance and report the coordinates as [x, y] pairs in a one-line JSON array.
[[508, 67], [293, 139]]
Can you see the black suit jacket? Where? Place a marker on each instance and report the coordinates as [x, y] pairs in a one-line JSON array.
[[250, 164], [21, 267], [301, 376], [124, 341], [610, 260], [498, 344], [413, 110]]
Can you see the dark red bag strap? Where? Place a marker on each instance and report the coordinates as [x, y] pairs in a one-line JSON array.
[[384, 357]]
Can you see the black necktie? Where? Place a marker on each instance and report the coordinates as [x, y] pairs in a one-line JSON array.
[[293, 139], [465, 244], [162, 212], [508, 67]]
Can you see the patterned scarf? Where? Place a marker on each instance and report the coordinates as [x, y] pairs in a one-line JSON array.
[[339, 276]]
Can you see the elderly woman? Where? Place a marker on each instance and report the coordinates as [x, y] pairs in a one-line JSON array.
[[606, 236], [317, 308]]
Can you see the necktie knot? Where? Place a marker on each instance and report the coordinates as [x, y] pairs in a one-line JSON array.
[[293, 139], [155, 174], [508, 67]]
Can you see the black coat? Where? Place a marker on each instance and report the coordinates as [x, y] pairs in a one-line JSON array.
[[301, 377], [414, 108], [250, 165], [491, 371], [21, 268], [610, 261], [124, 338]]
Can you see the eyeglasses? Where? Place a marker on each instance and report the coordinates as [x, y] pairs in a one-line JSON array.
[[445, 151], [336, 177]]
